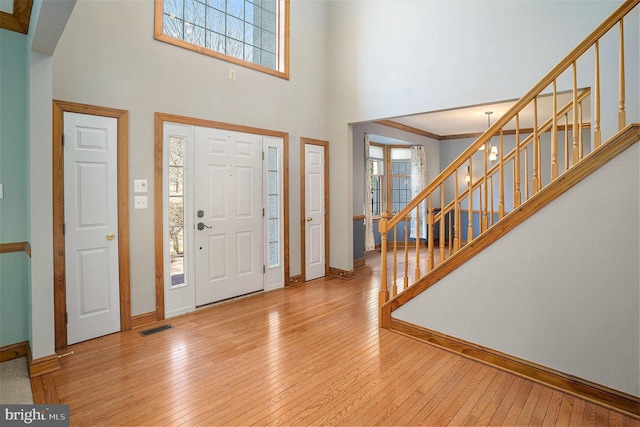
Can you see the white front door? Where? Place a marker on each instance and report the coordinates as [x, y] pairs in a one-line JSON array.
[[91, 226], [228, 214], [314, 212]]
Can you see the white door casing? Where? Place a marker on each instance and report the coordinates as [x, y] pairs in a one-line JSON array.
[[229, 245], [314, 203], [91, 226]]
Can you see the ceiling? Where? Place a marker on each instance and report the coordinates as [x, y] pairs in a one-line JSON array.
[[471, 121]]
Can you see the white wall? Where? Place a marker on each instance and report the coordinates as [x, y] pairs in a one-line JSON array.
[[107, 56], [561, 290], [42, 334]]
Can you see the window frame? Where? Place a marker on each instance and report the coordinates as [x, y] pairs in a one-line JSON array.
[[387, 178], [183, 195], [283, 42]]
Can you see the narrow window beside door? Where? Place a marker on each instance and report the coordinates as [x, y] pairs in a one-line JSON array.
[[176, 210], [273, 211]]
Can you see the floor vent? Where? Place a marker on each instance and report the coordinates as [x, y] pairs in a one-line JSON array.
[[155, 330]]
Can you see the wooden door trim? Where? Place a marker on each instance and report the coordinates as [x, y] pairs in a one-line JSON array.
[[160, 119], [303, 238], [59, 273]]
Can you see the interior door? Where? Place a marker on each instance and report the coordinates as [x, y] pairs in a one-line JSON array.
[[228, 207], [91, 226], [314, 212]]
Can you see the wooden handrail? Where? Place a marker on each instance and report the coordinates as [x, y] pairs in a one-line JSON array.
[[537, 89], [6, 248], [480, 189]]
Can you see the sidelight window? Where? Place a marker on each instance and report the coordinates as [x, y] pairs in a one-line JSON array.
[[176, 209]]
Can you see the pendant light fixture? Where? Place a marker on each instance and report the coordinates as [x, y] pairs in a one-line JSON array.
[[493, 149]]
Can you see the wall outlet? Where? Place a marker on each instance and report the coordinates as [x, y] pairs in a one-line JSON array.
[[139, 185], [140, 202], [232, 74]]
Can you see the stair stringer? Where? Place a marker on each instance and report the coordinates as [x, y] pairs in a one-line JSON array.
[[562, 288]]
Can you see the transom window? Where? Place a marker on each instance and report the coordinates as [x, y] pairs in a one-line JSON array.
[[252, 33], [390, 171]]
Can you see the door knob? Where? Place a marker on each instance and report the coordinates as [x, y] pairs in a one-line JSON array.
[[309, 219], [111, 236], [202, 226]]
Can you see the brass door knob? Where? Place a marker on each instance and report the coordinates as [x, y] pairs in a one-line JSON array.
[[111, 236], [309, 219]]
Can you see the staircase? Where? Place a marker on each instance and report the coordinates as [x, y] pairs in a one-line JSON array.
[[565, 129]]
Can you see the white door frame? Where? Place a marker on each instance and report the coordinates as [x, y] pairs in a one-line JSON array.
[[59, 273], [161, 257], [303, 256]]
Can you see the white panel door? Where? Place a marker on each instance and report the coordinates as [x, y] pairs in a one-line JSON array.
[[229, 243], [314, 211], [91, 226]]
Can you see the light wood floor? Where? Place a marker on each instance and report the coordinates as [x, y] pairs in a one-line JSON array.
[[306, 355]]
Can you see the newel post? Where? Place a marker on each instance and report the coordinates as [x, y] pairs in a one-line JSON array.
[[383, 295]]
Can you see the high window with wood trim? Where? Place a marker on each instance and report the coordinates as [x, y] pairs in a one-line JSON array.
[[251, 33]]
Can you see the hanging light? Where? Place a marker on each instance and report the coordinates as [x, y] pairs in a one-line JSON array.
[[493, 149]]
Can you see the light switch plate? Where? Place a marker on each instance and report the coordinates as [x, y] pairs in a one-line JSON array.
[[139, 185], [140, 202], [1, 191]]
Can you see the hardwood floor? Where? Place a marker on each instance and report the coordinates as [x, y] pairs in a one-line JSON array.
[[306, 355]]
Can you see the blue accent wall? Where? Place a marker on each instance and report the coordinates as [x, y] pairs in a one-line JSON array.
[[15, 311]]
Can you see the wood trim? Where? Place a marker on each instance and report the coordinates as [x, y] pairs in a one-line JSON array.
[[579, 387], [358, 218], [405, 128], [304, 141], [283, 26], [359, 262], [342, 274], [6, 248], [410, 129], [18, 21], [143, 319], [15, 351], [158, 211], [44, 365], [160, 119], [593, 161], [44, 390], [294, 280], [59, 273]]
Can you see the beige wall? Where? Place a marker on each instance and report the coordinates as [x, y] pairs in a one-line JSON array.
[[107, 56], [351, 61]]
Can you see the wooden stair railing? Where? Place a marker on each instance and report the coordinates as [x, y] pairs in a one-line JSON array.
[[473, 181]]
